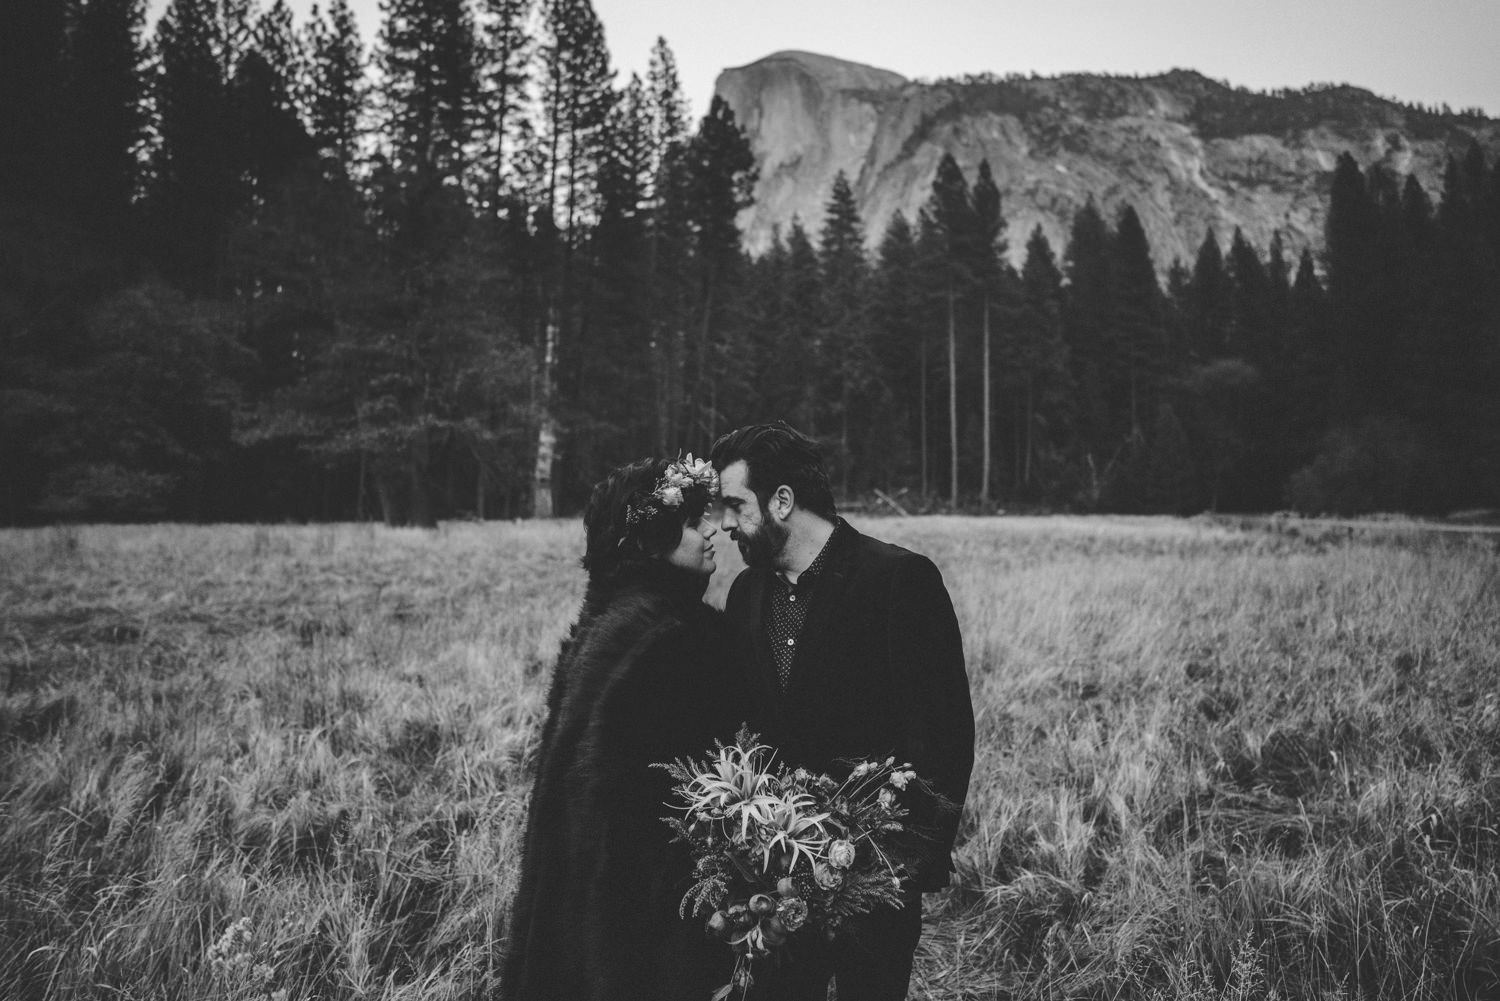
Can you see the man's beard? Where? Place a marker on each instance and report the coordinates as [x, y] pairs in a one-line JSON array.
[[761, 547]]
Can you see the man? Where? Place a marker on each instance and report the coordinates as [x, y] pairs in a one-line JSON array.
[[856, 654]]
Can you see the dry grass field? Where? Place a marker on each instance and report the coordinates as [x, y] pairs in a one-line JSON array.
[[1214, 762]]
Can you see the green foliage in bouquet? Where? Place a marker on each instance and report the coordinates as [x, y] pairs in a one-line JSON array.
[[780, 852]]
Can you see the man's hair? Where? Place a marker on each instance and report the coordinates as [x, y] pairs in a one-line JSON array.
[[776, 454], [615, 541]]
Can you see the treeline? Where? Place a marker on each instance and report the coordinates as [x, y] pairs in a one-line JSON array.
[[243, 281], [243, 277], [1245, 382]]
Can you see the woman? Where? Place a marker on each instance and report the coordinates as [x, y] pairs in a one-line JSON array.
[[644, 677]]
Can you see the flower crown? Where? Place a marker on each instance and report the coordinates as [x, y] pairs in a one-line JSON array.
[[681, 480]]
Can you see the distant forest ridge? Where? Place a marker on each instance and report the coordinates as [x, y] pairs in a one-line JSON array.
[[245, 279], [1223, 108]]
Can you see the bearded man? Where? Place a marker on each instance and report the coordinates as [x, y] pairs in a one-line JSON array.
[[856, 654]]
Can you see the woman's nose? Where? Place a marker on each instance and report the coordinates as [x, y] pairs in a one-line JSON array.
[[709, 529]]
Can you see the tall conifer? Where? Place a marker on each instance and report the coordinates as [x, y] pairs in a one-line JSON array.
[[1138, 350], [429, 93], [900, 328], [507, 44], [195, 184], [334, 88], [991, 276], [106, 114], [949, 231], [720, 177], [33, 71], [849, 365], [1086, 264], [1047, 393], [1210, 304], [796, 347], [576, 97]]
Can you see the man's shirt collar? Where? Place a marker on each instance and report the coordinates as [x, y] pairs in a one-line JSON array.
[[820, 562]]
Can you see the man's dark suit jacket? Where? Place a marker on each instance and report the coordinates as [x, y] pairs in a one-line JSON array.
[[879, 670]]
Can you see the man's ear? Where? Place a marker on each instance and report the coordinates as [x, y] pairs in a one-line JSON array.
[[783, 500]]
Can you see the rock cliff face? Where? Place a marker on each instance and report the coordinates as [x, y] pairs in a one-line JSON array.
[[1188, 152]]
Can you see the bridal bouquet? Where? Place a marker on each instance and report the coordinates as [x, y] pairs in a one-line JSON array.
[[782, 853]]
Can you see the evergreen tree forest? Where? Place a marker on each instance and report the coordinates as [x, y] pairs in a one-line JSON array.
[[250, 271]]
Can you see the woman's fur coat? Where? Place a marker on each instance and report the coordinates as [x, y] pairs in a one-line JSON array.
[[646, 676]]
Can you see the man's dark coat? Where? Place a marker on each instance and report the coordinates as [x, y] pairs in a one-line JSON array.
[[645, 677], [879, 670]]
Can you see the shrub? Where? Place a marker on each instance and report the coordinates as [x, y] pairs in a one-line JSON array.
[[1367, 467]]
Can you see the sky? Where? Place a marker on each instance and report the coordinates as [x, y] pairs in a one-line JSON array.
[[1423, 51]]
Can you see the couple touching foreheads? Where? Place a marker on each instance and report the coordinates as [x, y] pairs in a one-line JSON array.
[[833, 646]]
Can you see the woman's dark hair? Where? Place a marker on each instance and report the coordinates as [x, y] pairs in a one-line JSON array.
[[774, 454], [615, 540]]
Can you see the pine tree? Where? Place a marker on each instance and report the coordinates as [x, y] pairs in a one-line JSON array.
[[1260, 472], [1135, 358], [1457, 415], [195, 186], [772, 355], [1210, 305], [950, 236], [105, 114], [1311, 362], [429, 95], [272, 140], [1410, 239], [605, 366], [1086, 312], [899, 327], [334, 90], [1490, 213], [993, 281], [1042, 357], [574, 76], [1178, 306], [603, 387], [844, 274], [667, 115], [720, 177], [576, 97], [796, 348], [507, 47], [1138, 331], [1278, 372], [52, 268], [426, 321], [669, 250], [1352, 242], [1250, 306], [33, 72], [1278, 296]]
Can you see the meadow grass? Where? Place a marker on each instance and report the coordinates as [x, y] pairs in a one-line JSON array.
[[291, 762]]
